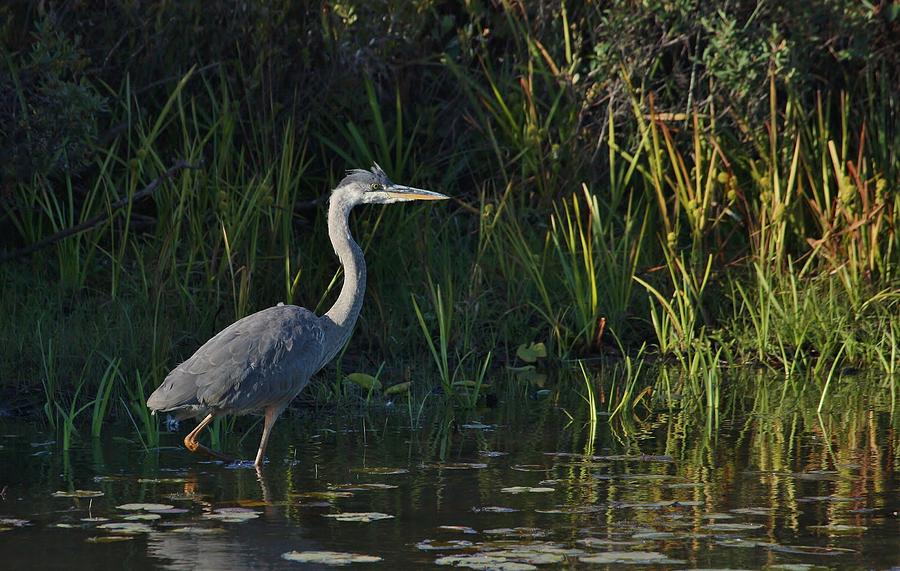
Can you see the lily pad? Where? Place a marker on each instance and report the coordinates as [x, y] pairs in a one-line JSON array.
[[598, 542], [142, 517], [733, 526], [198, 530], [334, 558], [529, 468], [361, 487], [109, 538], [364, 517], [232, 515], [458, 528], [367, 382], [810, 550], [530, 532], [438, 545], [126, 527], [527, 490], [629, 558], [839, 528], [11, 522], [532, 352], [570, 510], [144, 507], [330, 495], [460, 466], [78, 494], [398, 389], [494, 510], [752, 511], [381, 470], [484, 563]]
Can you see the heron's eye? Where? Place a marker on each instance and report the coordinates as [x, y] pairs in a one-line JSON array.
[[377, 186]]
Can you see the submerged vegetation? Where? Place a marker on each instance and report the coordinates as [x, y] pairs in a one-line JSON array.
[[636, 187]]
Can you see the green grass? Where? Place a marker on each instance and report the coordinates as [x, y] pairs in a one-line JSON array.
[[691, 242]]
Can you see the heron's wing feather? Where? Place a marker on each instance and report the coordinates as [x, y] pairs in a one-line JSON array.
[[264, 358]]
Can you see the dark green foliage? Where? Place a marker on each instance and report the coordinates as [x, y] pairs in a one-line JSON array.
[[49, 110], [705, 179]]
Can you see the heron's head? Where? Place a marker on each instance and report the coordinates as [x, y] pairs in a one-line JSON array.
[[374, 187]]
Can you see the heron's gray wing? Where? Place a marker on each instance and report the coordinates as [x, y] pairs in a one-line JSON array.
[[264, 358]]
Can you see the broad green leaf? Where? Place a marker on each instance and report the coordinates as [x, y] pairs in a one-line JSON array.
[[398, 389], [531, 353], [368, 382]]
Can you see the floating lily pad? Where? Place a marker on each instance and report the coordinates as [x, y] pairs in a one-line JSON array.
[[144, 507], [367, 382], [126, 527], [604, 543], [733, 526], [529, 468], [460, 466], [570, 510], [398, 389], [198, 530], [527, 490], [810, 550], [494, 509], [458, 528], [169, 511], [483, 562], [334, 558], [629, 558], [109, 538], [653, 535], [531, 532], [11, 522], [95, 519], [741, 542], [78, 494], [361, 487], [532, 352], [364, 517], [142, 517], [330, 495], [381, 470], [232, 515], [438, 545], [839, 528], [829, 499], [752, 511], [492, 453], [162, 480]]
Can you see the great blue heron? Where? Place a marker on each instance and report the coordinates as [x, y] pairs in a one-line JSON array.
[[263, 361]]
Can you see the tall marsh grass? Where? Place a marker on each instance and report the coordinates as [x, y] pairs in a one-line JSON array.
[[595, 215]]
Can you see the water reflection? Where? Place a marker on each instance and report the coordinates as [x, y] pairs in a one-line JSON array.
[[775, 483]]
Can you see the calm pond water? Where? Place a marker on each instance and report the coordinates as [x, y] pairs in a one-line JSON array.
[[524, 486]]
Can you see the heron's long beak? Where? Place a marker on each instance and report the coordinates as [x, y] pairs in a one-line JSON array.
[[401, 192]]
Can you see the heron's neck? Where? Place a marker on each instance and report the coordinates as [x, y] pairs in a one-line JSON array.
[[340, 319]]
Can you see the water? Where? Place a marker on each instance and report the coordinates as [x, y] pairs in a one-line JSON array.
[[758, 490]]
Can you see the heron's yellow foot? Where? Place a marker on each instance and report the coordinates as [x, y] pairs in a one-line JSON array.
[[194, 446]]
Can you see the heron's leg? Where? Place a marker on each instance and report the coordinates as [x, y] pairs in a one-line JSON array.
[[272, 413], [190, 441]]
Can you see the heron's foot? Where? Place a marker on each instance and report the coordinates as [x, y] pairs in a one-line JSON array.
[[195, 447]]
